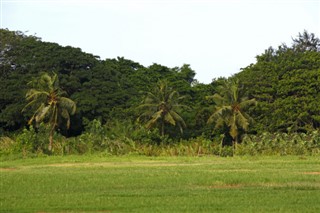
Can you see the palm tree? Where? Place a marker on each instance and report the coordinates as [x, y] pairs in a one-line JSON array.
[[230, 109], [161, 105], [46, 98]]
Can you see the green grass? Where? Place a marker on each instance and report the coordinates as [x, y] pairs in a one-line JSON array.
[[163, 184]]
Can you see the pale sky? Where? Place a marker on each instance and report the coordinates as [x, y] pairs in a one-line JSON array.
[[216, 37]]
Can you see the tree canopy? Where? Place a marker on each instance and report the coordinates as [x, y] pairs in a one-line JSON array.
[[285, 81]]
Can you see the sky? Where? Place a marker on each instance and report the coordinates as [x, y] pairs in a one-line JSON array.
[[216, 37]]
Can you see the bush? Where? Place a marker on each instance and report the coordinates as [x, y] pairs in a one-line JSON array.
[[7, 146], [119, 138], [33, 140], [280, 144], [113, 138]]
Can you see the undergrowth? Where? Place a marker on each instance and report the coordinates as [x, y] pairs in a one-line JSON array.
[[125, 138]]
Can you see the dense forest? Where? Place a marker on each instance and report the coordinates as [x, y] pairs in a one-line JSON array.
[[112, 104]]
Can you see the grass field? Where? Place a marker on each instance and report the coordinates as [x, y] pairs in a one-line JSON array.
[[162, 184]]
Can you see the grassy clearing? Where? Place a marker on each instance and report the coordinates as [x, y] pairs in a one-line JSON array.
[[162, 184]]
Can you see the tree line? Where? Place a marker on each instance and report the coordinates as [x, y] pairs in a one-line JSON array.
[[278, 93]]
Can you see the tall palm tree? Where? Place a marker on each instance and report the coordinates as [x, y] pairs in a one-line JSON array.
[[230, 108], [46, 98], [162, 105]]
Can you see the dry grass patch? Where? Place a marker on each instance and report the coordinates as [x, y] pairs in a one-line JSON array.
[[312, 173], [8, 169], [227, 186], [121, 164]]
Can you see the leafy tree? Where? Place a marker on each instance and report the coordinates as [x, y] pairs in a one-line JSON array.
[[285, 82], [50, 106], [201, 110], [13, 77], [103, 89], [162, 106], [230, 108], [21, 58]]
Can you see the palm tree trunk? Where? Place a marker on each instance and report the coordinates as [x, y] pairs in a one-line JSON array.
[[221, 145], [162, 127], [51, 139], [235, 143]]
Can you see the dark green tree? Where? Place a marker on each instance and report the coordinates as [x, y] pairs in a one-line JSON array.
[[21, 58], [285, 82]]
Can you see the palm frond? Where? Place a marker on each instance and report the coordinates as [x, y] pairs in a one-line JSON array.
[[155, 117], [182, 97], [247, 103], [148, 105], [36, 94], [217, 98], [178, 118], [220, 111], [168, 118], [180, 127], [150, 97], [37, 111], [220, 122], [172, 94], [147, 113], [65, 114], [242, 121], [55, 81], [42, 113], [233, 131], [161, 104], [31, 103], [67, 104], [46, 82], [180, 106], [230, 107]]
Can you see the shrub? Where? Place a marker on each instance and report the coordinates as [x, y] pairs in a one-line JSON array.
[[280, 144], [7, 146]]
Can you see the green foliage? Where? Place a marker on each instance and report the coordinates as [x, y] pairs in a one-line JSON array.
[[161, 106], [22, 58], [29, 142], [103, 89], [114, 138], [230, 108], [286, 83], [195, 147], [284, 80], [281, 144], [112, 141], [7, 146]]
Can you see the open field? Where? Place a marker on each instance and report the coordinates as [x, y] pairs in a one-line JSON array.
[[162, 184]]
